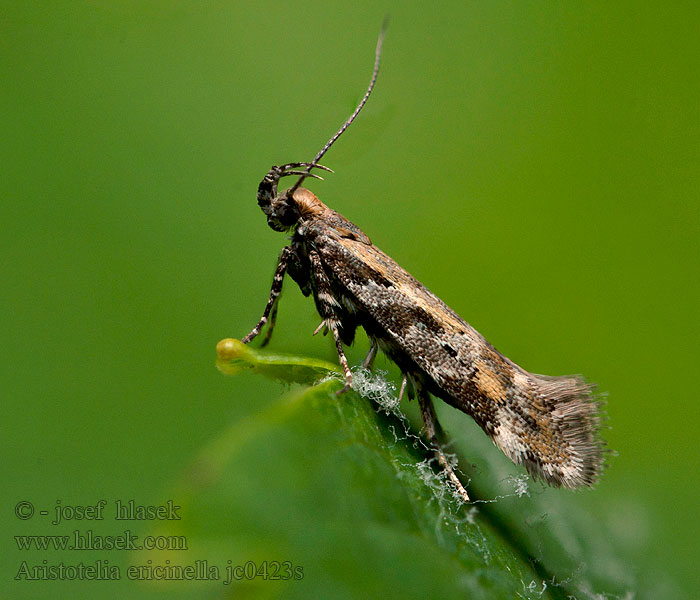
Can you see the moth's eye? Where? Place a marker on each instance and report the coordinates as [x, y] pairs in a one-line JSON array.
[[287, 213]]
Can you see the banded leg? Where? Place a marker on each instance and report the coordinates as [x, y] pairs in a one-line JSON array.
[[275, 291], [271, 326], [432, 427], [327, 306], [343, 361]]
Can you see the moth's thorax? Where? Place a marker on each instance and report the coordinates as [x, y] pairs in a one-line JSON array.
[[325, 220], [308, 205]]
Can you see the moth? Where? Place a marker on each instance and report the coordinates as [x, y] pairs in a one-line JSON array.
[[548, 424]]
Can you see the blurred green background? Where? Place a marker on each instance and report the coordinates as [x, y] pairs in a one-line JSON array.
[[534, 164]]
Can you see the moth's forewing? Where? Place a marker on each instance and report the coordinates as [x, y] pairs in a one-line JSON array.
[[548, 424]]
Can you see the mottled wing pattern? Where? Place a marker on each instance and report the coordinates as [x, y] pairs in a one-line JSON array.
[[548, 424]]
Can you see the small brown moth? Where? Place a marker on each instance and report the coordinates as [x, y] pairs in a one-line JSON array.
[[548, 424]]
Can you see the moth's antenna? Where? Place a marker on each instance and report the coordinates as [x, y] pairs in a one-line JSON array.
[[329, 143]]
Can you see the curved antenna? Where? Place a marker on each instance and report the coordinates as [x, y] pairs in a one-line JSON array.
[[329, 143]]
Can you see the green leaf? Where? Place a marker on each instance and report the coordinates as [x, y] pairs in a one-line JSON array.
[[349, 497]]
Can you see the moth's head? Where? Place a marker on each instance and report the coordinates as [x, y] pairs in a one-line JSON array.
[[288, 208], [281, 212]]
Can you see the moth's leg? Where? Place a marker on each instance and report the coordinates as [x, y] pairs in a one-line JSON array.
[[403, 387], [273, 320], [327, 306], [274, 294], [343, 361], [431, 431], [369, 360]]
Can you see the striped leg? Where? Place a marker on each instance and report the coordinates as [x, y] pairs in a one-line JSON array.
[[432, 426], [271, 326], [327, 305], [274, 295]]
